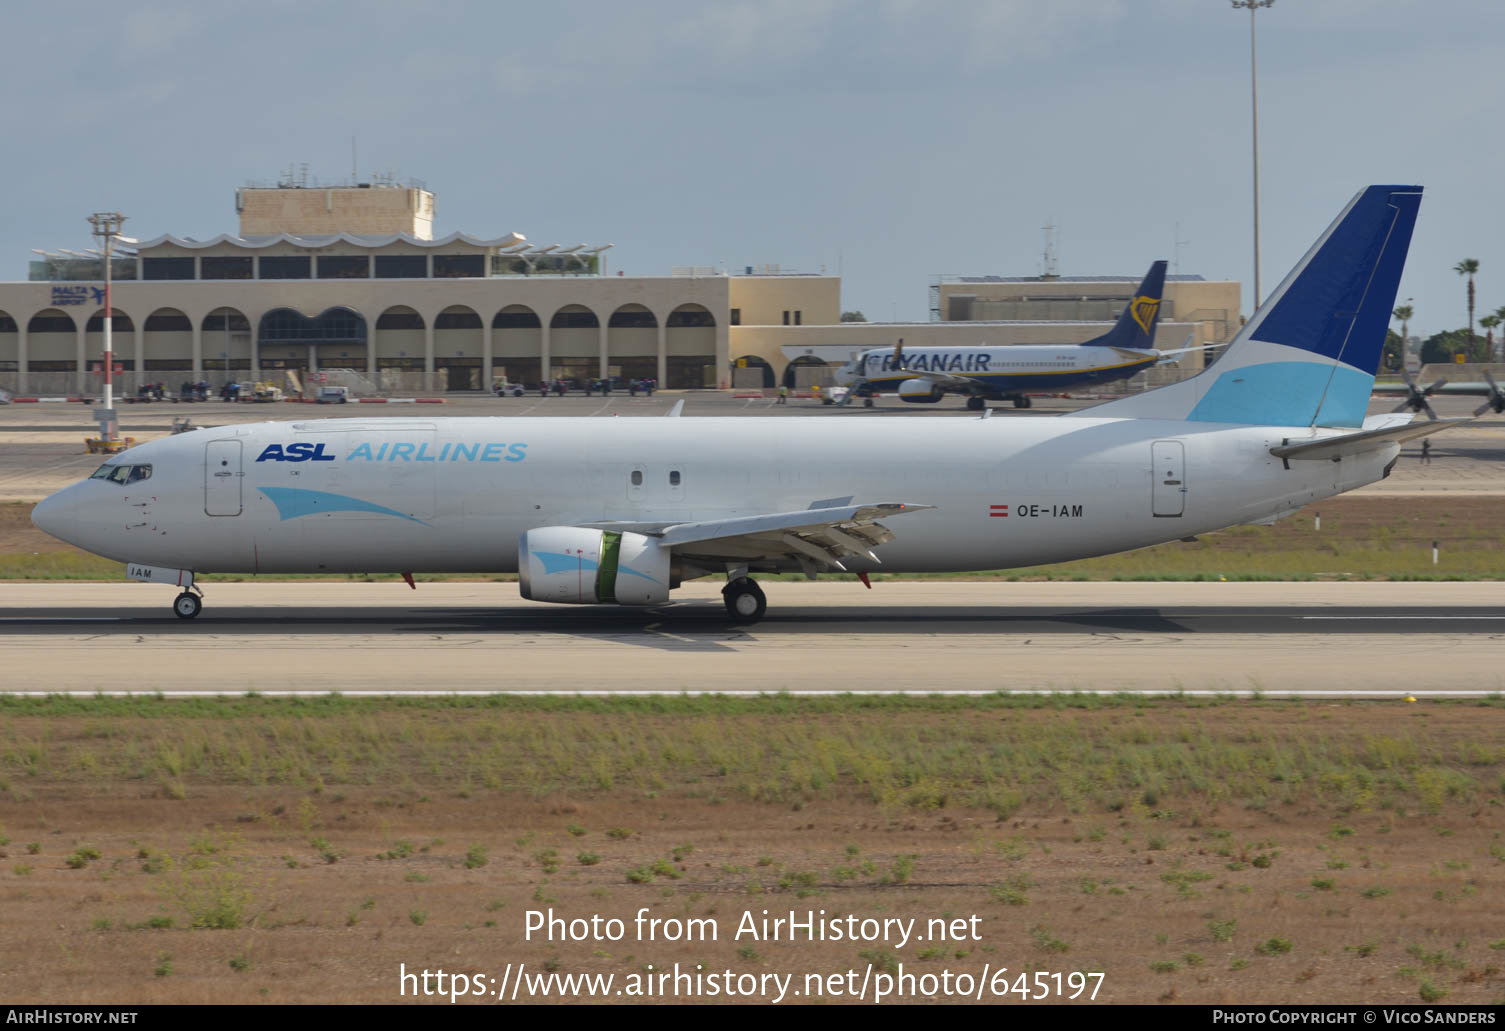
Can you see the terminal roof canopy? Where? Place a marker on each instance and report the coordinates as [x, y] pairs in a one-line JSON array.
[[370, 240]]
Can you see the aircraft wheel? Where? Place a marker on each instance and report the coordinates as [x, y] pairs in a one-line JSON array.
[[187, 605], [1021, 402], [867, 402], [745, 601], [975, 404], [1029, 402]]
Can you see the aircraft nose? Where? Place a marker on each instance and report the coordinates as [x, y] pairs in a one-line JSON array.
[[58, 516]]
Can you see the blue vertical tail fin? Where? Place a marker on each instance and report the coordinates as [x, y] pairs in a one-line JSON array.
[[1136, 325], [1309, 354]]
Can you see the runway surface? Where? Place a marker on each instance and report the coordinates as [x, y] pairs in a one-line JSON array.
[[1346, 638]]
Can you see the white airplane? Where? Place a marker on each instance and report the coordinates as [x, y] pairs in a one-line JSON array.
[[923, 375], [622, 512]]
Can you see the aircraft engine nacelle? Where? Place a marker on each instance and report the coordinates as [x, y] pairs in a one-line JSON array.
[[574, 565], [919, 392]]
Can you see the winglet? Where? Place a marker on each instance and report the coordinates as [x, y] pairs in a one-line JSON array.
[[679, 407]]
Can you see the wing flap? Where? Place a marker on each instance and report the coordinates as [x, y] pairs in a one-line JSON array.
[[805, 519], [826, 536]]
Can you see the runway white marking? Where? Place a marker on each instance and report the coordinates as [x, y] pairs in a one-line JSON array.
[[1447, 619], [60, 619]]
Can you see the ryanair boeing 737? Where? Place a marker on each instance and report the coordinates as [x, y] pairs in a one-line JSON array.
[[622, 512], [923, 375]]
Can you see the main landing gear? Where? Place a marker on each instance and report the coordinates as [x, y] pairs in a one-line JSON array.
[[976, 404], [745, 601], [1021, 402], [187, 604]]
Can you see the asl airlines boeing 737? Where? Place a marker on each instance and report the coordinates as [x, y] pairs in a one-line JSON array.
[[923, 375], [622, 512]]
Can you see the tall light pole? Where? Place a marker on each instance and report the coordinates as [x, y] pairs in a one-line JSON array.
[[1254, 5], [107, 227]]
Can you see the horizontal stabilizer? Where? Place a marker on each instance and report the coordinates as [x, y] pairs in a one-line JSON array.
[[1335, 448]]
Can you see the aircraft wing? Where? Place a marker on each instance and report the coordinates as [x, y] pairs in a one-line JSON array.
[[1346, 444], [940, 379], [821, 535]]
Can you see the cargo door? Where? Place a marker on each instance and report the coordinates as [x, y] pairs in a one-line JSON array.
[[1168, 475], [222, 477]]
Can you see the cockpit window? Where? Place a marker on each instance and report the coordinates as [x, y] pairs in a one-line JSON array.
[[122, 473]]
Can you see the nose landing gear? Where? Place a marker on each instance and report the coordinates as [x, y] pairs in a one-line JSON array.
[[187, 604]]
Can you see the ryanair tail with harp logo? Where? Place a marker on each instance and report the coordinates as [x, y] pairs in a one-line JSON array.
[[1136, 326]]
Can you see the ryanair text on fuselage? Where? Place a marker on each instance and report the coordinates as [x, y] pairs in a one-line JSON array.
[[971, 361]]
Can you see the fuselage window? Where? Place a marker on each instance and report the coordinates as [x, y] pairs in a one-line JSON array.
[[674, 478], [637, 477]]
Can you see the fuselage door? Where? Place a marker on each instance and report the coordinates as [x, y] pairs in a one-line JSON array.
[[1168, 475], [222, 476]]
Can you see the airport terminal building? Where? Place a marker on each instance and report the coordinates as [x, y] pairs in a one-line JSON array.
[[350, 279]]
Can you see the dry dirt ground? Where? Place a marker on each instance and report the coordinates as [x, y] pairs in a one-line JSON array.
[[331, 885]]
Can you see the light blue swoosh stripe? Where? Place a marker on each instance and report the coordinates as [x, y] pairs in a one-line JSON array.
[[634, 572], [293, 502], [1288, 394], [554, 562]]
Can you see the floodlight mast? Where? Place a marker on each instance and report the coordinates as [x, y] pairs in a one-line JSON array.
[[107, 227], [1254, 5]]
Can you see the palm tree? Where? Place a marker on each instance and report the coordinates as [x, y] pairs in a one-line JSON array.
[[1488, 324], [1500, 314], [1403, 312], [1469, 267]]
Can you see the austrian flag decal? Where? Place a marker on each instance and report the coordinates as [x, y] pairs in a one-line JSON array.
[[998, 510]]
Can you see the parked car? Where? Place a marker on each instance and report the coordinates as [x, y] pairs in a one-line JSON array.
[[331, 395]]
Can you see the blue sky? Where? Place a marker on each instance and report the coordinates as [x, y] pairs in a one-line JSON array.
[[892, 140]]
